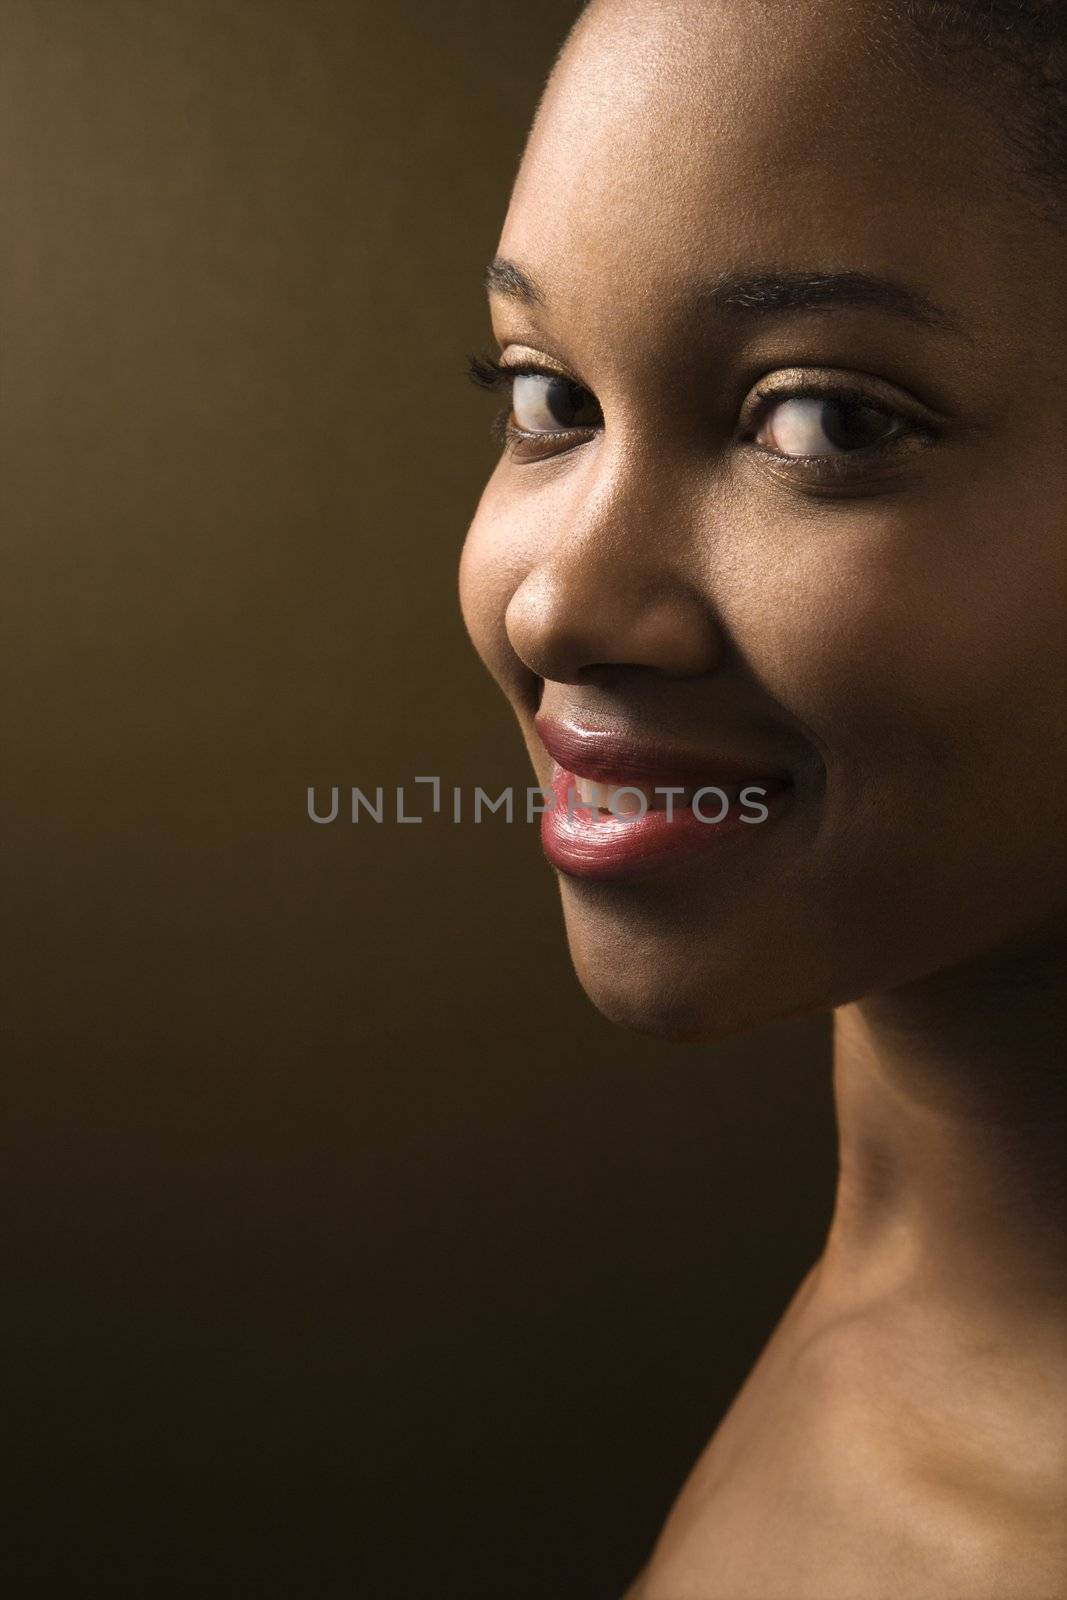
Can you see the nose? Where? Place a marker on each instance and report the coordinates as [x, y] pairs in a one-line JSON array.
[[612, 591]]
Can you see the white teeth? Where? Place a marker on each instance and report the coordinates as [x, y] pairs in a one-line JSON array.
[[592, 794], [624, 796]]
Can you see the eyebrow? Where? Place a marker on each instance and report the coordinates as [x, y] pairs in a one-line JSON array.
[[767, 294], [504, 278]]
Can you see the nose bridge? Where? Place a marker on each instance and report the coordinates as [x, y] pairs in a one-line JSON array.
[[613, 584]]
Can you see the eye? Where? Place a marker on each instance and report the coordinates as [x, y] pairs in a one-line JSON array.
[[543, 402], [825, 425]]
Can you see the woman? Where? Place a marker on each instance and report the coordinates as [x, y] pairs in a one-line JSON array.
[[780, 518]]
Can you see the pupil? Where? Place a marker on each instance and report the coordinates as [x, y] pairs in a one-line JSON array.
[[849, 426], [569, 403]]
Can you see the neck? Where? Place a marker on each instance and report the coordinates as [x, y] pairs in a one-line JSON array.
[[952, 1115]]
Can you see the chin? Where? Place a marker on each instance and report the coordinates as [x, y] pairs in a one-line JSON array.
[[650, 997], [653, 972]]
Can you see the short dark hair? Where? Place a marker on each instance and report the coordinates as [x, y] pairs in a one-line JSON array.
[[1017, 49]]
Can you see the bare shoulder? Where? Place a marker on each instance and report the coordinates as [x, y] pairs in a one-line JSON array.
[[872, 1487], [636, 1591]]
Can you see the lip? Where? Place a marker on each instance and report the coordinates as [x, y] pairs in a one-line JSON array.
[[607, 757], [585, 842]]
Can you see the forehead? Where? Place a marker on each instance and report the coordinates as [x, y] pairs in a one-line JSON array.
[[682, 138]]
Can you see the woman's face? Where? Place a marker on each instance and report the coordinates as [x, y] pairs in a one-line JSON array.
[[783, 506]]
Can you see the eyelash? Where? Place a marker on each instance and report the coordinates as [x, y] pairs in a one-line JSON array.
[[496, 376]]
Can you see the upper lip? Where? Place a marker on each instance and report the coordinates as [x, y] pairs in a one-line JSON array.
[[605, 757]]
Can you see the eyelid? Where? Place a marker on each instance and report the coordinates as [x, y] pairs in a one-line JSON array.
[[521, 361], [834, 383], [518, 360], [497, 374], [523, 358], [923, 423], [527, 449]]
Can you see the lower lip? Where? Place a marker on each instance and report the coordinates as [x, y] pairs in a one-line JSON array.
[[587, 843]]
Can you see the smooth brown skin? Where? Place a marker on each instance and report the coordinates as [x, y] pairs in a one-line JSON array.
[[901, 646]]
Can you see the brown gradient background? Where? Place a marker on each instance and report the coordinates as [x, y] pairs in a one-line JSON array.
[[349, 1252]]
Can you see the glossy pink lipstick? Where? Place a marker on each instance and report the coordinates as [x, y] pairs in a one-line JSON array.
[[622, 808]]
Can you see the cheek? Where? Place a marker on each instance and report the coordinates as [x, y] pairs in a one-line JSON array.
[[924, 657], [936, 639]]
